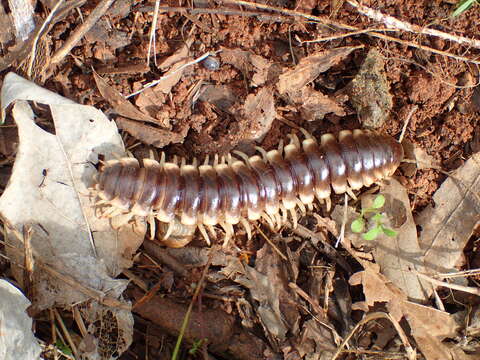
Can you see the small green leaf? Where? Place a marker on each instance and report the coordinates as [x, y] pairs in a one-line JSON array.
[[378, 202], [63, 348], [358, 225], [389, 232], [377, 217], [463, 6], [372, 234]]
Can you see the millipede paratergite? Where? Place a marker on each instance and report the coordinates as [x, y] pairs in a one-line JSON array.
[[237, 189]]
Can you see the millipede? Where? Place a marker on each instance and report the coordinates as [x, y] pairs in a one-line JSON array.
[[238, 189]]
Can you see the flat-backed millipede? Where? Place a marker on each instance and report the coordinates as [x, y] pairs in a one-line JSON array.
[[238, 189]]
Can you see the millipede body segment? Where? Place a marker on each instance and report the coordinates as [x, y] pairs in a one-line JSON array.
[[238, 189]]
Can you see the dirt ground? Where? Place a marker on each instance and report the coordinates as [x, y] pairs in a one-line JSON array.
[[235, 100]]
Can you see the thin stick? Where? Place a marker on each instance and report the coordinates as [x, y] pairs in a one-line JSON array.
[[411, 354], [155, 82], [344, 222], [153, 30], [392, 22], [407, 121], [267, 239], [341, 36], [80, 31], [467, 289], [66, 333]]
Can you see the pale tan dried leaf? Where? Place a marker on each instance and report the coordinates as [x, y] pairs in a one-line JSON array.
[[429, 326], [314, 105], [400, 256], [310, 67], [447, 226], [48, 191], [369, 91], [148, 134], [121, 105], [423, 160], [259, 110], [175, 61]]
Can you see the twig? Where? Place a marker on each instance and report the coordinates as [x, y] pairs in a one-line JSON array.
[[344, 222], [155, 82], [66, 333], [467, 289], [341, 36], [267, 239], [407, 121], [392, 22], [80, 31], [411, 353], [329, 22], [153, 29], [33, 51]]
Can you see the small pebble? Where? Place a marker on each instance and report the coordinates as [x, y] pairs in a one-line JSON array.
[[211, 63]]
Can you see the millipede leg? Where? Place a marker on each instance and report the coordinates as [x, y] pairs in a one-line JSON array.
[[207, 160], [215, 160], [228, 232], [269, 220], [351, 194], [212, 232], [301, 205], [278, 219], [293, 212], [294, 140], [328, 202], [242, 155], [262, 152], [307, 134], [284, 214], [310, 207], [169, 230], [204, 234], [247, 227], [151, 223], [162, 158]]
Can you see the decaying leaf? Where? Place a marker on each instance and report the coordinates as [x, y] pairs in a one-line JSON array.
[[268, 286], [309, 68], [423, 160], [149, 134], [48, 192], [314, 105], [429, 326], [370, 92], [260, 111], [263, 70], [175, 61], [121, 105], [400, 256], [447, 226]]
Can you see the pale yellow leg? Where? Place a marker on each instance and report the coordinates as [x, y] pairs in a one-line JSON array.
[[247, 227], [293, 212], [204, 234]]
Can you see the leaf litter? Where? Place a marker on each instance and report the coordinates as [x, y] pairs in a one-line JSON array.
[[268, 294], [48, 193]]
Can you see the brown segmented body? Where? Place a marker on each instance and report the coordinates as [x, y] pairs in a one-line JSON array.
[[234, 190]]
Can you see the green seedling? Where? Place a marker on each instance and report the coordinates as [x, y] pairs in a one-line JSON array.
[[196, 346], [462, 6], [359, 224]]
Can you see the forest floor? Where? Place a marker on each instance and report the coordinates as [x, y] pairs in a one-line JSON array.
[[230, 75]]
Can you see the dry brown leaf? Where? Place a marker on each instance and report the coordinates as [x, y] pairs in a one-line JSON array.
[[121, 105], [370, 92], [429, 326], [398, 257], [423, 160], [259, 110], [307, 70], [48, 192], [268, 285], [447, 226], [175, 61], [314, 105], [149, 134], [263, 69]]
